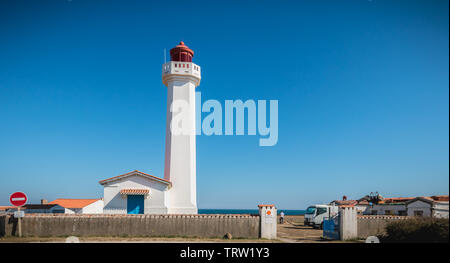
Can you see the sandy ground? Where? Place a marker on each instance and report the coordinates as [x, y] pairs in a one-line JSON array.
[[292, 231]]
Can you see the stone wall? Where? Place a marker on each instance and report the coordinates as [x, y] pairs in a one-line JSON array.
[[373, 225], [244, 226]]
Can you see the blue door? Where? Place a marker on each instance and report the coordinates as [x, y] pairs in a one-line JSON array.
[[135, 204]]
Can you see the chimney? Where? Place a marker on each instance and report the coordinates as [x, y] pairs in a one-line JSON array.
[[44, 201], [344, 197]]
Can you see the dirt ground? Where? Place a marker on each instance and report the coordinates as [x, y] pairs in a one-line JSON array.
[[294, 231]]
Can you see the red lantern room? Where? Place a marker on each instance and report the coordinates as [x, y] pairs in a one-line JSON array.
[[181, 53]]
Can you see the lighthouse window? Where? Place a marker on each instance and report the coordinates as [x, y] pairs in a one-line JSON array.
[[184, 65], [187, 66], [175, 64]]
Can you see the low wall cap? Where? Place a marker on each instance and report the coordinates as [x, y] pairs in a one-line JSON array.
[[266, 205]]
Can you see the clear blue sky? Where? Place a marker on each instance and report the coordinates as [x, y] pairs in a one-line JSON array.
[[363, 90]]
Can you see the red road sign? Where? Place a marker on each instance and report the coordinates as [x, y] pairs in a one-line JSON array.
[[18, 199]]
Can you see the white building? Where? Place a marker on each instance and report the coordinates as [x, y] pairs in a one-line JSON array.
[[79, 206], [360, 205], [398, 209], [427, 206], [137, 192]]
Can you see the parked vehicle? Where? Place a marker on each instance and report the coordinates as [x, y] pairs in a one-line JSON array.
[[315, 215]]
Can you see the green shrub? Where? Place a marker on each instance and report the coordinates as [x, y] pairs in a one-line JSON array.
[[417, 230]]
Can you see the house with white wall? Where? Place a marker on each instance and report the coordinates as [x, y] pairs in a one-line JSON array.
[[136, 193], [80, 206], [434, 206], [398, 209], [360, 205]]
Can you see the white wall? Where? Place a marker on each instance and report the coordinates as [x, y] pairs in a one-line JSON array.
[[440, 210], [268, 222], [154, 203], [382, 208], [348, 223], [71, 211], [419, 205], [180, 154], [94, 208], [362, 208]]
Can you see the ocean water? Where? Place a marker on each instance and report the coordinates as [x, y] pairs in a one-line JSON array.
[[247, 211]]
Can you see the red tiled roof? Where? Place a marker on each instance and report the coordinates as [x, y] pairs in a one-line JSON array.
[[4, 208], [266, 205], [346, 202], [363, 202], [393, 200], [427, 199], [135, 172], [440, 198], [134, 191], [73, 203]]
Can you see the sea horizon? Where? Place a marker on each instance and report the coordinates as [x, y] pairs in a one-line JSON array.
[[247, 211]]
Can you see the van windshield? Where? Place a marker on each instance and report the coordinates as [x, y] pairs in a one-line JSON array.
[[310, 210]]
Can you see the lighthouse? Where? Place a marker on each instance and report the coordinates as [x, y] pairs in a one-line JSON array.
[[181, 77]]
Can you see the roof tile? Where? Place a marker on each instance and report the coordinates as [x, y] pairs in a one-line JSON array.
[[73, 203]]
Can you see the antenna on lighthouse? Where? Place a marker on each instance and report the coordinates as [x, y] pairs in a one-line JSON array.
[[165, 60]]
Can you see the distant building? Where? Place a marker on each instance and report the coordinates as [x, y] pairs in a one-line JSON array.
[[5, 208], [39, 209], [389, 206], [434, 206], [397, 209], [79, 206], [361, 205]]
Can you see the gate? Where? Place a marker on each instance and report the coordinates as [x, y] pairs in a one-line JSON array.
[[331, 228]]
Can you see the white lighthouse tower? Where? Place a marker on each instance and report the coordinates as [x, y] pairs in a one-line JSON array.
[[181, 76]]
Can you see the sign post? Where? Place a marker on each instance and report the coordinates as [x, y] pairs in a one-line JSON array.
[[18, 199], [18, 222]]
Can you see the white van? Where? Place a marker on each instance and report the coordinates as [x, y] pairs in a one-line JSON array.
[[315, 214]]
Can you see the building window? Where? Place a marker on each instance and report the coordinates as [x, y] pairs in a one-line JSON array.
[[388, 212], [402, 213], [374, 212], [418, 213]]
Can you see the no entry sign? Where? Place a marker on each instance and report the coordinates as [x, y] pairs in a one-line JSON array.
[[18, 199]]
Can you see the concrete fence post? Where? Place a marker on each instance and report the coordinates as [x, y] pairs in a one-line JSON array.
[[348, 223], [267, 221]]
